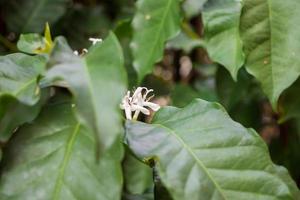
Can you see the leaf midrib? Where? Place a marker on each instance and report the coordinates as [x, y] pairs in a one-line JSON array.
[[172, 132], [161, 25], [271, 45], [66, 159]]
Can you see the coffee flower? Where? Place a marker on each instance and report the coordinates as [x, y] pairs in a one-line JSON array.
[[138, 102]]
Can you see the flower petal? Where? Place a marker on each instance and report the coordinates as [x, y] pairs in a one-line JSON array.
[[128, 113], [153, 106], [140, 108]]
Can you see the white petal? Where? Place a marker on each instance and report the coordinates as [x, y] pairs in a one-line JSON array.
[[128, 113], [137, 92], [140, 108], [153, 106]]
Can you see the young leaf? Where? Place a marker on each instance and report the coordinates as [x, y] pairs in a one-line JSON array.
[[54, 158], [223, 42], [34, 43], [97, 82], [200, 153], [31, 15], [271, 53], [19, 91], [154, 23]]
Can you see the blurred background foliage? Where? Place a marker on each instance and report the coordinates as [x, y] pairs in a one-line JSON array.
[[185, 73]]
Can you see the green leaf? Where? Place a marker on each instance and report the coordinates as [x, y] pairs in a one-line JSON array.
[[138, 176], [34, 43], [97, 82], [201, 153], [221, 29], [193, 8], [154, 23], [19, 91], [31, 15], [19, 76], [54, 158], [271, 54], [30, 42]]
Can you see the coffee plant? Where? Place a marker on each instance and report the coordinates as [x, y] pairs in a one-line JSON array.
[[149, 100]]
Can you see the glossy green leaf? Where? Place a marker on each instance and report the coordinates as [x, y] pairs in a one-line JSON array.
[[154, 23], [19, 91], [201, 153], [31, 15], [54, 158], [97, 81], [271, 43], [221, 29]]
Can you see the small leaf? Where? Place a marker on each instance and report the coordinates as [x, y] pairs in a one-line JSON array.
[[154, 23], [34, 43], [271, 54], [200, 153], [223, 42], [97, 81], [54, 158]]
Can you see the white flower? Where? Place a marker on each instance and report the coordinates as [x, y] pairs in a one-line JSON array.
[[76, 53], [138, 102], [95, 40]]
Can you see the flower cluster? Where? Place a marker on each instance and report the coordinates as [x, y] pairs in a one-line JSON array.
[[138, 102]]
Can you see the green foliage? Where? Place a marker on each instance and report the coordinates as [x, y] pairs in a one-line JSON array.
[[43, 158], [95, 104], [19, 91], [222, 22], [154, 23], [194, 149], [62, 135], [271, 56]]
